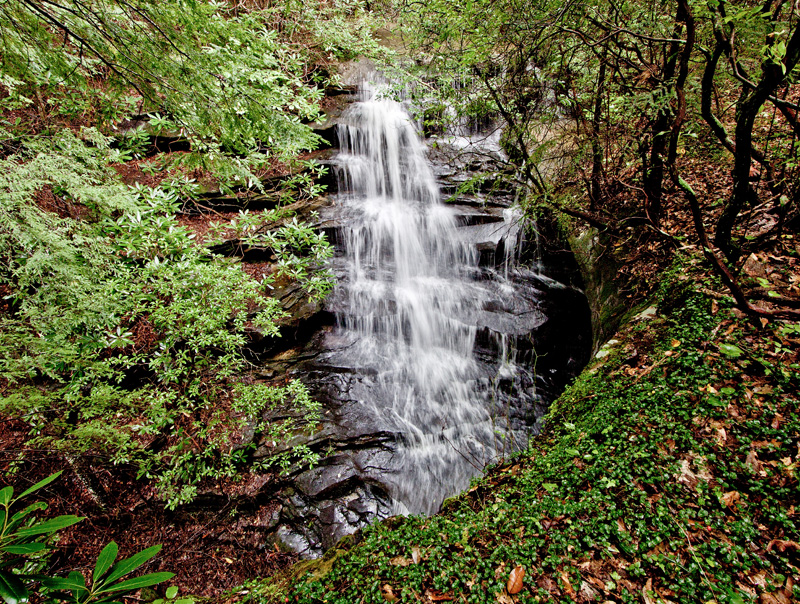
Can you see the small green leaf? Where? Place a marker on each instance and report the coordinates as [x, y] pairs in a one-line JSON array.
[[172, 592], [123, 567], [572, 452], [40, 484], [12, 590], [731, 351], [5, 495], [105, 560], [49, 526], [138, 582], [24, 549], [734, 598], [19, 516], [549, 487]]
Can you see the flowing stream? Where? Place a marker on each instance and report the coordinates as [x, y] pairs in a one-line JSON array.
[[410, 302]]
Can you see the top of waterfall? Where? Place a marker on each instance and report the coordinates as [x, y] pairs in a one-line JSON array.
[[376, 86]]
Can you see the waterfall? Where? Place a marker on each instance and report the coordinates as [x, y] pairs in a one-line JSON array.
[[408, 301]]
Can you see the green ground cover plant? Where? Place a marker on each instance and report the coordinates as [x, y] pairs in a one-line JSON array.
[[123, 331], [666, 473]]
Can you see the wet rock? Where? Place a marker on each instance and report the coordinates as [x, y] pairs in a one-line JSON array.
[[532, 335], [335, 477]]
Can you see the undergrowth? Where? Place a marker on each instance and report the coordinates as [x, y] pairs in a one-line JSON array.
[[666, 473]]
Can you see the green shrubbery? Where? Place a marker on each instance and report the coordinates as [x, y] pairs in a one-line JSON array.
[[123, 330], [121, 337]]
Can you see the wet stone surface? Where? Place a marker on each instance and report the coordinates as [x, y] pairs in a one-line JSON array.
[[522, 319]]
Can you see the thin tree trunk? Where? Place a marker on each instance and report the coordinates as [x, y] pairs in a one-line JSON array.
[[746, 112], [597, 147]]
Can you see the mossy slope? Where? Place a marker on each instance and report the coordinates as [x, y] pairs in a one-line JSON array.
[[666, 473]]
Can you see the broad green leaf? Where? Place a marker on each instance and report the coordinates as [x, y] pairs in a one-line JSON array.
[[734, 597], [171, 592], [61, 584], [104, 561], [49, 526], [77, 579], [549, 487], [731, 351], [40, 484], [24, 549], [138, 582], [12, 590], [123, 567], [19, 516], [5, 495]]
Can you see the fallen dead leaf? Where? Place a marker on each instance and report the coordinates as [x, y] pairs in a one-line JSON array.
[[567, 585], [504, 598], [777, 597], [687, 476], [437, 596], [647, 590], [782, 545], [752, 462], [730, 498], [399, 561], [415, 555], [514, 585], [588, 593], [388, 593], [546, 583]]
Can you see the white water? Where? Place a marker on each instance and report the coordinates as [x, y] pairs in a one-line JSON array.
[[409, 305]]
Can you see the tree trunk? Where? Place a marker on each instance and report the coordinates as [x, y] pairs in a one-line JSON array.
[[654, 171], [746, 112], [597, 147]]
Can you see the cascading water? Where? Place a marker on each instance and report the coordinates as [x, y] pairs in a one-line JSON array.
[[446, 349], [409, 303]]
